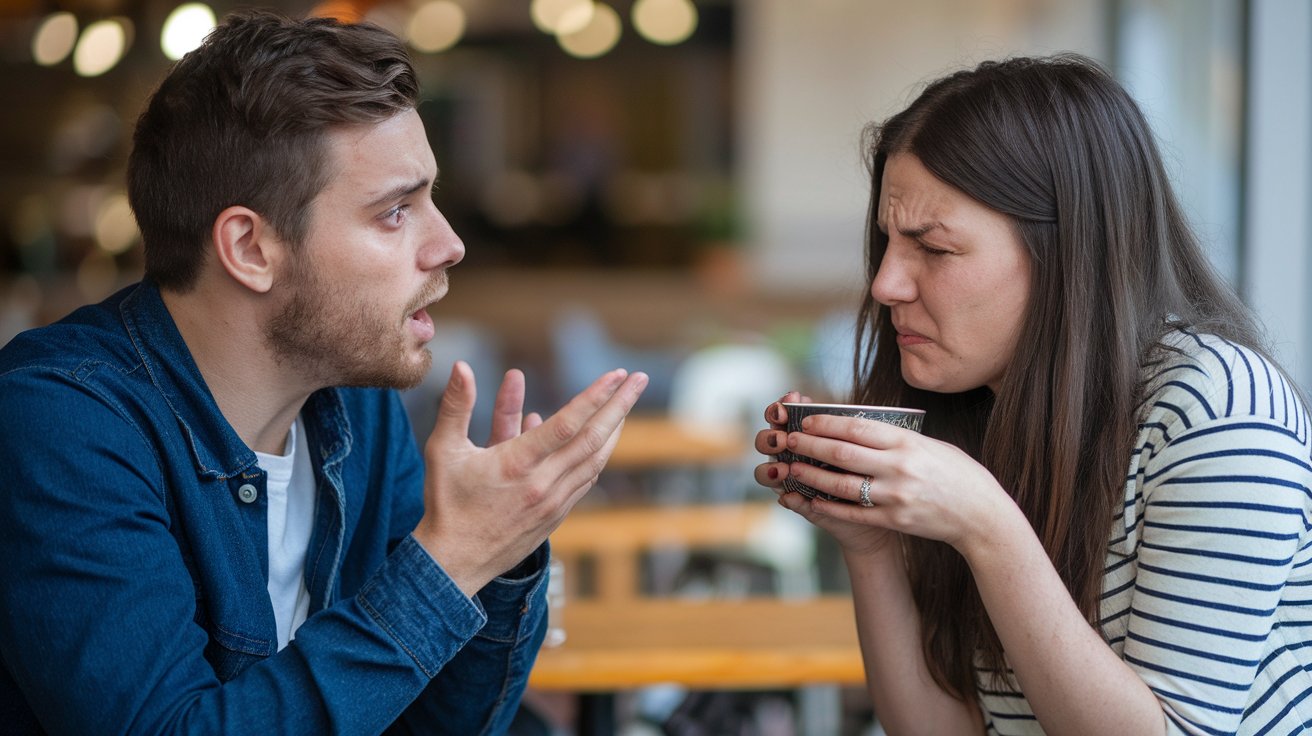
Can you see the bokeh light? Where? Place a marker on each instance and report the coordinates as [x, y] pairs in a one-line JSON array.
[[595, 39], [665, 22], [54, 38], [115, 227], [185, 29], [436, 26], [562, 16], [101, 47]]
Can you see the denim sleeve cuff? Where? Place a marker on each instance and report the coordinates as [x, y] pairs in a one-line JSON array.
[[420, 607], [512, 600]]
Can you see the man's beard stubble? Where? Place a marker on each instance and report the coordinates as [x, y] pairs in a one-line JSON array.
[[341, 340]]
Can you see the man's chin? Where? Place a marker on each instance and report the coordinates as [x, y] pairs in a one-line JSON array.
[[412, 374], [400, 376], [415, 377]]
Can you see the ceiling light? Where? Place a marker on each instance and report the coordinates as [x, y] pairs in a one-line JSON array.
[[54, 38], [665, 22], [595, 39], [185, 29], [436, 26], [101, 46]]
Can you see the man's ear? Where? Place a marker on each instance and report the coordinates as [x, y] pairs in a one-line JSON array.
[[247, 247]]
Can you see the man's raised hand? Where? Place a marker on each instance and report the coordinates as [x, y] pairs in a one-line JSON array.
[[486, 509]]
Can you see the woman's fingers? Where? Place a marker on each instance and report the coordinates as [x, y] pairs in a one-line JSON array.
[[775, 414], [855, 445], [771, 475], [867, 432], [846, 486], [771, 441], [842, 454]]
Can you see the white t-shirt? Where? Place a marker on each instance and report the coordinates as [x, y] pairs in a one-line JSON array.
[[291, 499]]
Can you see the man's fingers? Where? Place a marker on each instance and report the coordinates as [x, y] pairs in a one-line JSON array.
[[565, 424], [580, 476], [531, 420], [508, 410], [457, 404], [586, 454]]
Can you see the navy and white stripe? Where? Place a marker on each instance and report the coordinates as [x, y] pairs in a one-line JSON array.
[[1208, 588]]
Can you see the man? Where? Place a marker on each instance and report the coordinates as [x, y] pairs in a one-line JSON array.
[[209, 520]]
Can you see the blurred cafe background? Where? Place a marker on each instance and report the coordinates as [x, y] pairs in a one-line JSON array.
[[674, 186]]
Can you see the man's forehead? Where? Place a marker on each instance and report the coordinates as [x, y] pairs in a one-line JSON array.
[[370, 159]]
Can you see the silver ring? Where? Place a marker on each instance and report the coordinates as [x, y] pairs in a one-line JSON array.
[[865, 492]]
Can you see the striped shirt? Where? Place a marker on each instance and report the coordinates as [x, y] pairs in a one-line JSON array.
[[1208, 589]]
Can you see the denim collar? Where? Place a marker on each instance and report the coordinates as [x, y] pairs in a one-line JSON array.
[[215, 447]]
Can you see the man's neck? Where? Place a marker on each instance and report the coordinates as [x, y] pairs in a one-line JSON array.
[[259, 397]]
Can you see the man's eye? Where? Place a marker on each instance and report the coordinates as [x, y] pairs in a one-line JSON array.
[[397, 214]]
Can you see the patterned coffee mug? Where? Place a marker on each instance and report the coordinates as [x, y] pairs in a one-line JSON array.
[[897, 416]]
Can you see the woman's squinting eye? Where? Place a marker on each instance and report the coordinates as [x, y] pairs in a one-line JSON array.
[[931, 250]]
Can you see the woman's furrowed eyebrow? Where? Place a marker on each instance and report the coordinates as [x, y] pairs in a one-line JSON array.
[[921, 230]]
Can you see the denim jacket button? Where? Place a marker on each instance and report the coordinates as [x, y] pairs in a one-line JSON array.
[[247, 493]]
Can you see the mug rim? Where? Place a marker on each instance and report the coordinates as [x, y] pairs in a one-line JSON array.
[[858, 407]]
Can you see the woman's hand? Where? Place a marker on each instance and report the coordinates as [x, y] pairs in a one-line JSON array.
[[918, 485], [855, 537], [772, 441]]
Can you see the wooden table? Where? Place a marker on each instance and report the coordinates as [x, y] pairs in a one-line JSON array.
[[615, 538], [619, 638], [753, 643], [657, 441]]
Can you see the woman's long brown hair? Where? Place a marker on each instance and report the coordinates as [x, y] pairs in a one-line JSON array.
[[1059, 147]]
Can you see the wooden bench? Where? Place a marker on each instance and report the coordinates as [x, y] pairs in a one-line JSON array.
[[619, 638]]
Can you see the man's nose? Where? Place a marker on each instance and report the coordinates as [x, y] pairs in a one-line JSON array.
[[442, 248]]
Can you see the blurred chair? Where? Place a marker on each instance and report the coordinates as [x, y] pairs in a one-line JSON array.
[[726, 388], [729, 386], [583, 350]]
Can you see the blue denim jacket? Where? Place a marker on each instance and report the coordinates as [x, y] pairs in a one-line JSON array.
[[133, 558]]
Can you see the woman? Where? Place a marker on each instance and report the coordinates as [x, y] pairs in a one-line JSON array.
[[1104, 527]]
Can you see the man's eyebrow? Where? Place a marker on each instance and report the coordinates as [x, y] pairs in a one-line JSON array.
[[400, 191]]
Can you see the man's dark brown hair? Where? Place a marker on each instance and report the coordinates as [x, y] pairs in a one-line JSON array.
[[242, 121]]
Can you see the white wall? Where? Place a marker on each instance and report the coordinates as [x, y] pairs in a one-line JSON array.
[[1183, 61], [812, 74], [1277, 248]]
